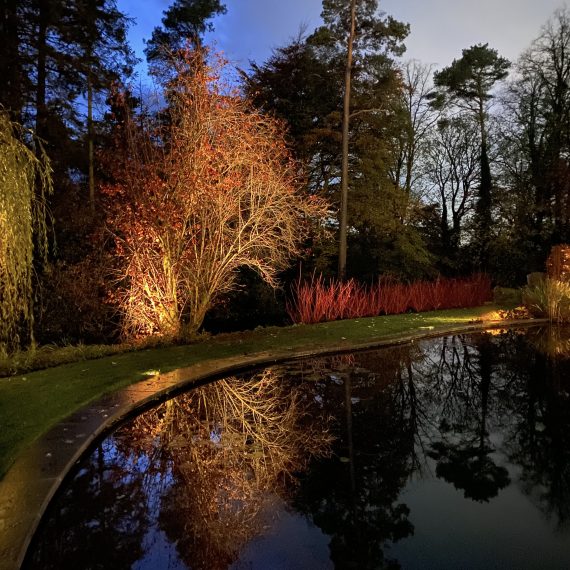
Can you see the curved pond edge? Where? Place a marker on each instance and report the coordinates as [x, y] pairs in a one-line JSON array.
[[31, 482]]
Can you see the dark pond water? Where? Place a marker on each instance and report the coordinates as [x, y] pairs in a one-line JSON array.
[[447, 453]]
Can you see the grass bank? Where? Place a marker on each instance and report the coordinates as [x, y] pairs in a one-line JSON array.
[[31, 403]]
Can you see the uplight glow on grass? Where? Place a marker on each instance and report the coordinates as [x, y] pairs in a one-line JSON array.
[[31, 403]]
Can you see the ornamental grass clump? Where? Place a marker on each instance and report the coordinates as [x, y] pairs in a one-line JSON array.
[[549, 299]]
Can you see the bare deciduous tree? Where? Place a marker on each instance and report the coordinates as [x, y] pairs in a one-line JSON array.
[[420, 119], [453, 167], [212, 191]]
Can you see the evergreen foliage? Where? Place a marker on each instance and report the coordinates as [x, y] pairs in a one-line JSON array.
[[184, 20], [54, 54], [303, 83], [468, 81]]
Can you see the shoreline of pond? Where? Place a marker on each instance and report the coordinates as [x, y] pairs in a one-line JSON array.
[[39, 470]]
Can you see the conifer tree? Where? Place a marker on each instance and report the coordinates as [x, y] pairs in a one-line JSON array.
[[469, 82], [184, 20]]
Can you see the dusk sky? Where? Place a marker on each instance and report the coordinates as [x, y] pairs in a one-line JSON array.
[[440, 29]]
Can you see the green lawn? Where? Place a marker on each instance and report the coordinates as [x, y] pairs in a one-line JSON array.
[[31, 403]]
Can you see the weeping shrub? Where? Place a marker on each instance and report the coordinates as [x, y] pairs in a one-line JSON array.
[[25, 180]]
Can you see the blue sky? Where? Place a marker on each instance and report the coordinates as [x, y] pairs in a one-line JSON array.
[[440, 29]]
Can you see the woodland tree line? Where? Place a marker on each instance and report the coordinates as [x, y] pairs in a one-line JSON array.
[[449, 171]]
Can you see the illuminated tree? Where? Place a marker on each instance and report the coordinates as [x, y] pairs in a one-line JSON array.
[[24, 182], [213, 190]]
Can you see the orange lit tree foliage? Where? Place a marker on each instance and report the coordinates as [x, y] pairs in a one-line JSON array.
[[210, 190]]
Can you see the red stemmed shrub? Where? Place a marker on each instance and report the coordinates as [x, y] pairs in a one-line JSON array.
[[319, 300]]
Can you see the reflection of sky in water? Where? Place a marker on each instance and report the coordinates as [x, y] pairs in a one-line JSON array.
[[449, 453], [454, 533], [291, 541], [512, 529], [216, 435], [160, 553]]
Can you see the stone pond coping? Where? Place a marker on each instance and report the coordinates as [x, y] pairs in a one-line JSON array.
[[31, 482]]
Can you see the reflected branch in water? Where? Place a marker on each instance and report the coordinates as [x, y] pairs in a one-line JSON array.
[[232, 447]]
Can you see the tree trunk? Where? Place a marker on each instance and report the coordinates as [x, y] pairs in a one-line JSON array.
[[90, 140], [41, 66], [483, 206], [10, 67], [343, 222], [409, 167]]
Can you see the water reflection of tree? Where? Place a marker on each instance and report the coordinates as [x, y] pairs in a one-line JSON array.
[[447, 389], [232, 446], [540, 439], [462, 447], [353, 496], [204, 468], [470, 401], [99, 520], [489, 384]]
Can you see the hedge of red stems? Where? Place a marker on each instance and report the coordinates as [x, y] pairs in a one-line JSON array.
[[320, 300]]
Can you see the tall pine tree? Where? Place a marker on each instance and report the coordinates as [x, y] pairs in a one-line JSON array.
[[184, 20], [469, 81]]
